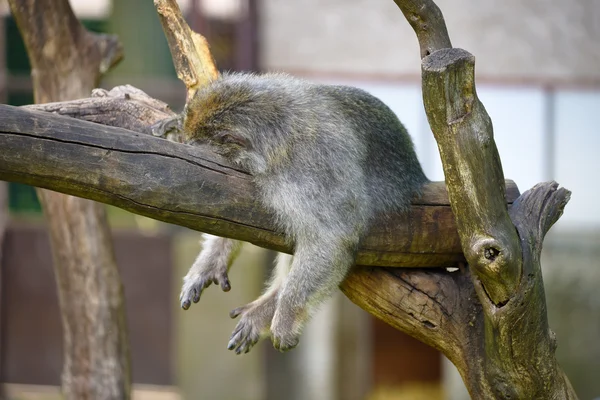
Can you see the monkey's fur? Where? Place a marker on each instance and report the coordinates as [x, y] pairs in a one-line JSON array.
[[326, 160]]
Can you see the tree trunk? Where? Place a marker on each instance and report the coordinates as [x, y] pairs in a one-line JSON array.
[[3, 226], [67, 62]]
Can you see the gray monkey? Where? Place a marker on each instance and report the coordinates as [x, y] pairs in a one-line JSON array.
[[325, 160]]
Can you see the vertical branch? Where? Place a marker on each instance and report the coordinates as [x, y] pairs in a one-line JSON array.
[[427, 20], [510, 355], [67, 62], [463, 131], [193, 61]]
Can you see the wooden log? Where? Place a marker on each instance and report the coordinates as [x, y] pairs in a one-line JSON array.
[[192, 187]]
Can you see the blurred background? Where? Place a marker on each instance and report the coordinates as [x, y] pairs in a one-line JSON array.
[[538, 74]]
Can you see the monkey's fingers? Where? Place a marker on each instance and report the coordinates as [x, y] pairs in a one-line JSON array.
[[223, 281], [171, 125], [236, 312], [243, 338], [192, 290], [186, 299]]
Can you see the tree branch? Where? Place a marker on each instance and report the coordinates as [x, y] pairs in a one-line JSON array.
[[428, 23], [473, 171], [519, 348], [192, 187], [123, 106], [54, 37], [428, 304], [193, 61], [508, 351]]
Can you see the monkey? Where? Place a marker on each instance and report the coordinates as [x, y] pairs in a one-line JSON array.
[[326, 160]]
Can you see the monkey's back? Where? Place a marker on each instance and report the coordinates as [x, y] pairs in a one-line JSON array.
[[393, 172], [335, 145]]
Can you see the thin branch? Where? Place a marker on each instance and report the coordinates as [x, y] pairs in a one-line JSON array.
[[193, 61], [428, 23], [546, 200]]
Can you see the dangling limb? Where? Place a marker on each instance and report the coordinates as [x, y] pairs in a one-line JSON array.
[[256, 316], [319, 266], [211, 266]]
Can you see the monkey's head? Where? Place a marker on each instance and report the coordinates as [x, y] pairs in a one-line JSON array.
[[240, 116]]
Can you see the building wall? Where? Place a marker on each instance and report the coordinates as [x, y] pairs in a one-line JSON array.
[[512, 39]]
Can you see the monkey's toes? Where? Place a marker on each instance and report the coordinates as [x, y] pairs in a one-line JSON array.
[[284, 342], [244, 337], [238, 311]]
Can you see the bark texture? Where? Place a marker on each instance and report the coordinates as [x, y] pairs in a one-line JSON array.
[[3, 227], [67, 62]]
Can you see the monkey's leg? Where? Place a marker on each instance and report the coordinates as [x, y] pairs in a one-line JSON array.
[[257, 316], [319, 266], [211, 266]]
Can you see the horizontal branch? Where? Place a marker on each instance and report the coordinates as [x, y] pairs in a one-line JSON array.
[[192, 187], [432, 305], [123, 106]]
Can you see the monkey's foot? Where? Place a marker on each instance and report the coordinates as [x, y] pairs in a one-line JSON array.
[[254, 324], [284, 341], [285, 331], [199, 279]]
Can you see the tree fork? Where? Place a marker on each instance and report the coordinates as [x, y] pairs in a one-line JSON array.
[[508, 349]]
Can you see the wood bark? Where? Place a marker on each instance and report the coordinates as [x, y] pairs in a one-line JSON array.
[[67, 62], [3, 227]]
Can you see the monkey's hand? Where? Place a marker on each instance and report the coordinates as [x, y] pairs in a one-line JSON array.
[[211, 266], [198, 279], [168, 126]]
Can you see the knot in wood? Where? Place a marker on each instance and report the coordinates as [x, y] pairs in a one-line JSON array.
[[491, 253]]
